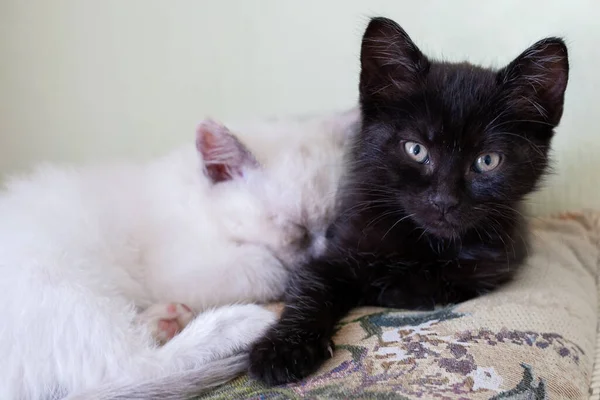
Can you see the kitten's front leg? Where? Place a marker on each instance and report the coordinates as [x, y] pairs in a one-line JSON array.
[[468, 278], [319, 295], [412, 288], [423, 286]]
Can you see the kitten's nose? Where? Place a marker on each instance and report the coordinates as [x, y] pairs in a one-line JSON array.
[[444, 203]]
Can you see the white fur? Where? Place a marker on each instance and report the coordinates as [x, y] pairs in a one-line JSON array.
[[84, 250]]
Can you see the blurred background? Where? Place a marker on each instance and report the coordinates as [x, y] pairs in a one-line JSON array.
[[84, 80]]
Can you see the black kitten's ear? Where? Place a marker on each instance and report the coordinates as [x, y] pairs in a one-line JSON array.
[[224, 156], [539, 76], [391, 64]]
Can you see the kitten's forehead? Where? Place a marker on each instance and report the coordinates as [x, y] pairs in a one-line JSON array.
[[460, 100], [460, 89], [469, 81]]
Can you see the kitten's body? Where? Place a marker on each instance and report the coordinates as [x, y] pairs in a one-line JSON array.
[[429, 208], [82, 251]]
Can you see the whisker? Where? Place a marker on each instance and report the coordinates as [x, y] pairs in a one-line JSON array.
[[396, 223]]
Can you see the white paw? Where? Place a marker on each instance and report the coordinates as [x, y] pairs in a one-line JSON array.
[[215, 334], [251, 319], [166, 320], [236, 327]]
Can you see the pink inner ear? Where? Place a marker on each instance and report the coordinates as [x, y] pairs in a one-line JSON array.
[[223, 154]]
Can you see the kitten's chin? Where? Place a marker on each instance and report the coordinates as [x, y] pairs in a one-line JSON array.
[[442, 230]]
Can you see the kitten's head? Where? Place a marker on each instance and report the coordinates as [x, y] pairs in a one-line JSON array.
[[454, 144], [282, 206]]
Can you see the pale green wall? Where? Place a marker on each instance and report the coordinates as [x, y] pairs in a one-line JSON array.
[[88, 79]]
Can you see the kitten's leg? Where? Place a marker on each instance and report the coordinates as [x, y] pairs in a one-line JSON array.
[[216, 338], [468, 279], [480, 269], [424, 286], [215, 334], [211, 350], [66, 337], [400, 287], [165, 320], [319, 295]]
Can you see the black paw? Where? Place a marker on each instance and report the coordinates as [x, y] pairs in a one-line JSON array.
[[420, 303], [399, 298], [284, 357]]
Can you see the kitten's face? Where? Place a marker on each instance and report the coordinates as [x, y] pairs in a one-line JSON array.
[[455, 144], [280, 210]]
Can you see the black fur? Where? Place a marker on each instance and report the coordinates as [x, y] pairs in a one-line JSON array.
[[409, 234]]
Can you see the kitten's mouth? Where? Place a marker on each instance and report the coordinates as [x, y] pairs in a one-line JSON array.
[[443, 229], [441, 226]]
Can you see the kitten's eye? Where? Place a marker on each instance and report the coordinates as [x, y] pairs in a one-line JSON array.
[[487, 162], [417, 152]]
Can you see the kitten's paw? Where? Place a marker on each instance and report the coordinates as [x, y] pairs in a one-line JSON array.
[[242, 324], [282, 356], [166, 320]]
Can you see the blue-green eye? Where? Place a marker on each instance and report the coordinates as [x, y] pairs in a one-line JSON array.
[[417, 152], [487, 162]]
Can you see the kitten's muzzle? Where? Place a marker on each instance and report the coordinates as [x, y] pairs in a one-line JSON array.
[[443, 229], [443, 203]]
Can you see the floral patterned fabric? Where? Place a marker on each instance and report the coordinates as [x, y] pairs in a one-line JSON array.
[[533, 339]]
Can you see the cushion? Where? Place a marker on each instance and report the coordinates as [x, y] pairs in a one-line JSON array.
[[532, 339]]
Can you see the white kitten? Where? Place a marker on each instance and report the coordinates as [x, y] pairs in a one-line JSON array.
[[97, 263]]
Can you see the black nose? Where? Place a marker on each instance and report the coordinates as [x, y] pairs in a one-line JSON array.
[[444, 202]]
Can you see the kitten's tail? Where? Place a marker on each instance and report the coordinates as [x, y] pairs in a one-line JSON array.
[[178, 386]]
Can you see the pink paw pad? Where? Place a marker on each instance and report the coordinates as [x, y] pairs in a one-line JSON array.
[[166, 320]]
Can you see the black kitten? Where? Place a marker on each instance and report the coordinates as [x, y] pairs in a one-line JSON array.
[[428, 213]]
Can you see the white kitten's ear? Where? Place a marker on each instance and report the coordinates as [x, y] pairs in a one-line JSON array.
[[224, 156]]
